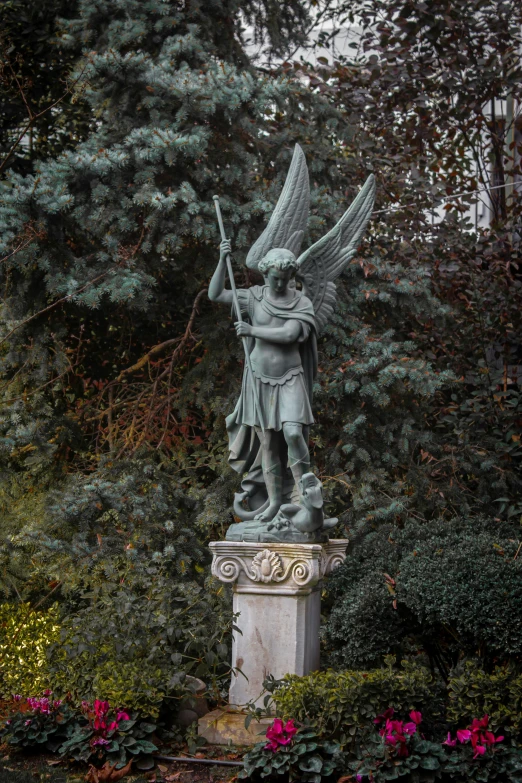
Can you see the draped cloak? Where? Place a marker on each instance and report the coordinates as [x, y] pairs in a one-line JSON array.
[[244, 444]]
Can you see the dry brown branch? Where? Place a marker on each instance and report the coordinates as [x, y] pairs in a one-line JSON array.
[[166, 344], [143, 411]]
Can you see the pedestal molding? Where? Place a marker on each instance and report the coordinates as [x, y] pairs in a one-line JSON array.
[[275, 568]]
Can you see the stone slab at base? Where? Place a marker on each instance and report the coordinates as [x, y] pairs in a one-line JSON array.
[[277, 603], [221, 727]]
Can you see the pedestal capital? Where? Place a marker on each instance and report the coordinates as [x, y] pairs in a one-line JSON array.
[[275, 568]]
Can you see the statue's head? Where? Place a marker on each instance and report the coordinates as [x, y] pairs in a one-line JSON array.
[[279, 267]]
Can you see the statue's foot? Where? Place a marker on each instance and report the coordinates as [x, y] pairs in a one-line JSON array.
[[268, 514]]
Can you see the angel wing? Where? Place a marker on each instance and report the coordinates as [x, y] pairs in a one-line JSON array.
[[287, 224], [322, 263]]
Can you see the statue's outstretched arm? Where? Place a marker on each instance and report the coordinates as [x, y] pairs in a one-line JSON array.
[[216, 289]]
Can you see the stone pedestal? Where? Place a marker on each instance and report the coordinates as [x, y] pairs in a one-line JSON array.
[[277, 601]]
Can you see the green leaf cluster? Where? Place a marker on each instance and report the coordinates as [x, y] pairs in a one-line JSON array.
[[497, 693], [375, 760], [451, 588], [341, 705], [308, 758], [25, 638]]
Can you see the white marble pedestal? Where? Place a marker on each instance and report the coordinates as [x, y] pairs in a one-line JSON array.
[[277, 601]]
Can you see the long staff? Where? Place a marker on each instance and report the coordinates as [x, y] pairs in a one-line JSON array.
[[238, 314]]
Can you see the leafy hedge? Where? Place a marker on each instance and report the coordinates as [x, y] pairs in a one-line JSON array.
[[472, 691], [340, 705], [452, 588]]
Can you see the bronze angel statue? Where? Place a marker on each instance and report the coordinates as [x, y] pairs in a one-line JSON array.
[[268, 430]]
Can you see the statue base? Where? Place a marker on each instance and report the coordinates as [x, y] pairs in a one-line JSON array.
[[227, 727], [277, 600]]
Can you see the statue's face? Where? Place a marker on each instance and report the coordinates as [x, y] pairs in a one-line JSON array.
[[278, 279]]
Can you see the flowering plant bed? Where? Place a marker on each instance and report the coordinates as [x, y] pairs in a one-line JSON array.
[[292, 754], [95, 733], [397, 749]]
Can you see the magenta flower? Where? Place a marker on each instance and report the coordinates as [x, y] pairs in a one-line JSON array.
[[122, 715], [48, 692], [278, 735], [386, 715], [416, 717], [100, 741], [17, 697], [450, 742], [101, 707], [27, 722], [410, 728], [57, 703], [480, 737]]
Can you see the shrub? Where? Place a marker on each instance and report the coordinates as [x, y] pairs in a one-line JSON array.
[[25, 636], [340, 705], [137, 615], [397, 750], [297, 754], [136, 650], [472, 691], [452, 588]]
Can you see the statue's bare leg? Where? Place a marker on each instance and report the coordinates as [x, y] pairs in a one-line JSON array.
[[272, 473], [298, 453]]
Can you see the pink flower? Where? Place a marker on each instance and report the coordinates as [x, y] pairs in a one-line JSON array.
[[17, 697], [101, 707], [8, 723], [113, 726], [48, 692], [100, 741], [479, 723], [450, 742], [479, 751], [416, 717], [410, 728], [277, 734], [403, 750], [386, 715], [27, 722], [463, 735], [122, 715], [57, 703]]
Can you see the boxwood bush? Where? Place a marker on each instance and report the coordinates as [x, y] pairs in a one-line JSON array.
[[341, 705]]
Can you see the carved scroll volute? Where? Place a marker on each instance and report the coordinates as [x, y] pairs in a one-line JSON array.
[[226, 569]]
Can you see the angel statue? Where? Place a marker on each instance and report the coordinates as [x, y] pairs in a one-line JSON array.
[[281, 499]]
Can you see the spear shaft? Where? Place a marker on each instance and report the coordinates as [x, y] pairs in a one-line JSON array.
[[238, 314]]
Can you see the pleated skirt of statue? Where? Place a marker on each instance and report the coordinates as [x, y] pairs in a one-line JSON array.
[[281, 399]]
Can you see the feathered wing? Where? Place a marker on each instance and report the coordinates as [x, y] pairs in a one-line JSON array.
[[322, 263], [287, 224]]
